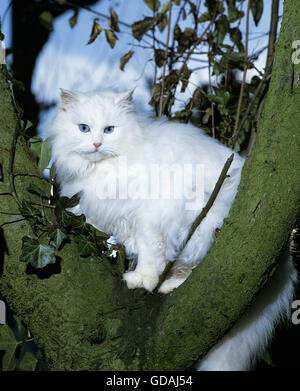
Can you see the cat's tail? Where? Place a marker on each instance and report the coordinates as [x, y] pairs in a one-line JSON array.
[[250, 337]]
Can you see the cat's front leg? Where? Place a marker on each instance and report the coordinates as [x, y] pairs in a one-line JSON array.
[[151, 263]]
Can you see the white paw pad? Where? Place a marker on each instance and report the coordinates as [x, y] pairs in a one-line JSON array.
[[138, 280]]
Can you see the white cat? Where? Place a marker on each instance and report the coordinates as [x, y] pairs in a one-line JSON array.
[[144, 182]]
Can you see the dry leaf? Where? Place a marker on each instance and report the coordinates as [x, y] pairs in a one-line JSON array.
[[124, 60], [114, 21], [96, 31], [111, 37]]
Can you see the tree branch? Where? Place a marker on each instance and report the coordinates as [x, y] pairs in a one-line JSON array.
[[211, 199], [237, 119]]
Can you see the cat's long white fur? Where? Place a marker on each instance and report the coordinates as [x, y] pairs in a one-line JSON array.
[[154, 230]]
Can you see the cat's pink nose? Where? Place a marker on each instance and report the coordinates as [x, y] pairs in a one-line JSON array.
[[97, 145]]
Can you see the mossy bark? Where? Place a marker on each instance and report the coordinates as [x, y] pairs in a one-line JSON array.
[[84, 318]]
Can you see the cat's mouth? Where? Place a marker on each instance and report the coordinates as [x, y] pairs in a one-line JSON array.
[[96, 155]]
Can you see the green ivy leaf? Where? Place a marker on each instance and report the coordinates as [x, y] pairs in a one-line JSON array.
[[42, 150], [27, 210], [86, 246], [25, 125], [37, 190], [236, 38], [162, 22], [226, 97], [66, 202], [9, 344], [45, 155], [222, 28], [37, 254], [79, 223], [233, 13], [257, 7], [57, 237], [64, 218], [28, 362], [35, 146]]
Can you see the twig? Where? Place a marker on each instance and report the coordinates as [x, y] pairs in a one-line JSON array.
[[238, 113], [268, 71], [212, 103], [177, 21], [211, 200], [155, 65], [191, 51], [12, 222], [41, 205], [272, 34], [256, 93], [2, 212], [165, 64]]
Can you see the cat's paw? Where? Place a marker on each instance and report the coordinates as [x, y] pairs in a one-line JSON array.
[[170, 284], [138, 280]]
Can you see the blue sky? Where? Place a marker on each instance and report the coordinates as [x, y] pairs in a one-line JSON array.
[[68, 62]]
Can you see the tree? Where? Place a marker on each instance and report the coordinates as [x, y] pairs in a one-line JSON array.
[[82, 316]]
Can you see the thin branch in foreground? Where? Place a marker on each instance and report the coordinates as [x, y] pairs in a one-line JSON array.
[[238, 113], [2, 212], [189, 54], [201, 216], [211, 200], [261, 89], [160, 113]]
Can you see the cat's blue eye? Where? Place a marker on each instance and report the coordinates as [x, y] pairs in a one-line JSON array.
[[109, 129], [84, 128]]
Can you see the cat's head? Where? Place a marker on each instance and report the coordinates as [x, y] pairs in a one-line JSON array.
[[91, 127]]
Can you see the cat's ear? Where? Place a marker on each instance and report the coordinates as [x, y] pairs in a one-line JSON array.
[[125, 97], [67, 97]]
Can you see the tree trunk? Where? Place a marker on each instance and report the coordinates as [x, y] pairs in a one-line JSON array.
[[84, 318]]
